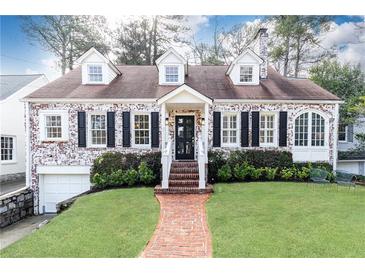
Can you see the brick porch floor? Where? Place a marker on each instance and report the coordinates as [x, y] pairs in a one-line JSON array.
[[182, 230]]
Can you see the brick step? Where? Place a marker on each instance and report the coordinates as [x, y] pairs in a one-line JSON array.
[[184, 164], [183, 190], [183, 176], [184, 170], [184, 183]]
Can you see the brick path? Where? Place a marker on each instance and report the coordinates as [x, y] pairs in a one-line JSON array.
[[182, 230]]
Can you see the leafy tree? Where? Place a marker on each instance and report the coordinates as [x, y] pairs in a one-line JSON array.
[[345, 81], [144, 39], [65, 36], [293, 40]]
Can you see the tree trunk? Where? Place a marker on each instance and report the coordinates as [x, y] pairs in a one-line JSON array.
[[286, 58], [297, 58], [154, 39]]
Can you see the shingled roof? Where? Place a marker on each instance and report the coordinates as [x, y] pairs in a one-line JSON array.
[[141, 82], [9, 84]]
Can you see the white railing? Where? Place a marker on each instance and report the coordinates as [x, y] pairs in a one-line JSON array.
[[201, 164], [166, 161]]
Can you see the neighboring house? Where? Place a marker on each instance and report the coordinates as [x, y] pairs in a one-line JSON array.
[[353, 162], [180, 110], [12, 89]]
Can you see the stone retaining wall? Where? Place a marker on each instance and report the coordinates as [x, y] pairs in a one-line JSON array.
[[16, 206]]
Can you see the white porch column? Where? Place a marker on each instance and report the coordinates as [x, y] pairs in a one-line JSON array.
[[163, 126], [206, 127], [164, 158], [335, 137]]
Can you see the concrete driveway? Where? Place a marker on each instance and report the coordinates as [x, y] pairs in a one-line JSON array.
[[15, 232], [6, 187]]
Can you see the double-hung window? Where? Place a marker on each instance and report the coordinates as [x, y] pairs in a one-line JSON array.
[[172, 74], [342, 133], [53, 126], [317, 130], [95, 73], [7, 149], [267, 129], [141, 125], [97, 129], [246, 74], [229, 129]]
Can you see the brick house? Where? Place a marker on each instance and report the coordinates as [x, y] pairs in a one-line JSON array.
[[181, 110]]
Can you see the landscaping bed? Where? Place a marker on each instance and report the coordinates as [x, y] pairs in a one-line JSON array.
[[113, 223], [286, 220]]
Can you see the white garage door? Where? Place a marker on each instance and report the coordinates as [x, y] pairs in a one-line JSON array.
[[59, 187]]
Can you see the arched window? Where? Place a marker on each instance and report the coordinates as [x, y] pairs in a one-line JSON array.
[[309, 130]]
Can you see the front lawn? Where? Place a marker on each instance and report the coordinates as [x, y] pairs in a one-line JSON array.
[[113, 223], [286, 220]]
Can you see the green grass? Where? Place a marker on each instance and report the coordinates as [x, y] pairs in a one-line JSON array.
[[286, 220], [114, 223]]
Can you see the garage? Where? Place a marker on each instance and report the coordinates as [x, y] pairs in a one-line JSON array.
[[61, 183]]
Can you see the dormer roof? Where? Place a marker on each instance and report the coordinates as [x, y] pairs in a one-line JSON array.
[[167, 53], [245, 52], [93, 50]]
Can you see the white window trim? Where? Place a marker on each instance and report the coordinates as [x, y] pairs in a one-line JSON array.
[[88, 128], [64, 125], [253, 74], [237, 144], [102, 74], [178, 73], [275, 134], [343, 141], [145, 146], [14, 160], [326, 131]]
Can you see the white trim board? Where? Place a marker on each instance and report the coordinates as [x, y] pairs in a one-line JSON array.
[[63, 169]]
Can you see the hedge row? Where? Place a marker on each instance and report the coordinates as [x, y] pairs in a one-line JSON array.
[[257, 165], [116, 168]]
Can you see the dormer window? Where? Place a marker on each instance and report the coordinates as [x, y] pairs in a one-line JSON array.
[[246, 74], [95, 73], [171, 74]]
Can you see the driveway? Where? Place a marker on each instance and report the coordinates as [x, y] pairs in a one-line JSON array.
[[182, 231], [15, 232], [6, 187]]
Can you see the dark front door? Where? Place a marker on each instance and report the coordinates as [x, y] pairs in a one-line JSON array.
[[184, 142]]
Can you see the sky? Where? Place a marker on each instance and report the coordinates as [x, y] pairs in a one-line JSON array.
[[19, 56]]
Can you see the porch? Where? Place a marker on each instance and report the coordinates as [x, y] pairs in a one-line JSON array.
[[184, 127]]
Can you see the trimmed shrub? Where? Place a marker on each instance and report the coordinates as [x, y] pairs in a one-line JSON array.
[[145, 174], [287, 173], [256, 173], [116, 168], [131, 176], [242, 171], [225, 173], [270, 173], [216, 160], [303, 173]]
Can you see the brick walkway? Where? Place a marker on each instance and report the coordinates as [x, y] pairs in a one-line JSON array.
[[182, 230]]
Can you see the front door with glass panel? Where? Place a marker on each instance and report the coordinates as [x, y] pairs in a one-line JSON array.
[[184, 143]]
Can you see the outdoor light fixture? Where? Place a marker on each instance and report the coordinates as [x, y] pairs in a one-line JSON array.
[[203, 121], [167, 121]]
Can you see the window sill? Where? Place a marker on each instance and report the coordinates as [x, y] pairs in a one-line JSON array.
[[10, 162], [268, 145], [230, 145], [141, 146], [96, 146], [49, 140]]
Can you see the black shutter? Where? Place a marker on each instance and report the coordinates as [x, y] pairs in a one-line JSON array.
[[111, 129], [216, 129], [283, 128], [81, 128], [350, 133], [155, 138], [244, 129], [126, 129], [255, 128]]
